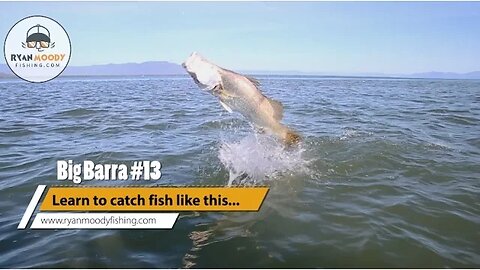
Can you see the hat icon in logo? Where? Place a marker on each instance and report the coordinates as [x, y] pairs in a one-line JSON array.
[[38, 37]]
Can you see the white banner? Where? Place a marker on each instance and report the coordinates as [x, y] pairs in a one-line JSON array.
[[67, 220]]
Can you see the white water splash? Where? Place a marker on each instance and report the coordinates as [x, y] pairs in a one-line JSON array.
[[257, 158]]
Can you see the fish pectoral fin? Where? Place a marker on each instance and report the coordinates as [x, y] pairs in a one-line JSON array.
[[225, 106], [277, 108]]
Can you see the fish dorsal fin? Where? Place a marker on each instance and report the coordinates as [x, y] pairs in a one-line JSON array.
[[254, 81], [277, 108], [226, 107]]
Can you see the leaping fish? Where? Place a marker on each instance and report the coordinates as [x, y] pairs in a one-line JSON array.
[[240, 93]]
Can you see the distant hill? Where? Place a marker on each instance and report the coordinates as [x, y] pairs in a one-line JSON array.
[[3, 75], [128, 69], [425, 75], [446, 75], [4, 70]]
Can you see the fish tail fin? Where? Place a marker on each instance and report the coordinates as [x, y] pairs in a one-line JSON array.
[[292, 138]]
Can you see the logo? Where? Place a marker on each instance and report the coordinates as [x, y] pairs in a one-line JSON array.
[[38, 37], [37, 49]]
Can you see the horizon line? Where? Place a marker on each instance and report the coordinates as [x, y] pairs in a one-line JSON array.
[[289, 72]]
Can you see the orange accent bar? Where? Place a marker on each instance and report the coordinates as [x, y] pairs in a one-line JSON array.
[[154, 199]]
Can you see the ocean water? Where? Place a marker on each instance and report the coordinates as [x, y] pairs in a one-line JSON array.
[[388, 173]]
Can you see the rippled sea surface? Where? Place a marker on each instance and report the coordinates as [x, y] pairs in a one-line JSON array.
[[388, 174]]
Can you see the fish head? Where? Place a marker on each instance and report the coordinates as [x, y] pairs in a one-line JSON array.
[[205, 74]]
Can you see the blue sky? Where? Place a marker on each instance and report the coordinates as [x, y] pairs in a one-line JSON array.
[[331, 37]]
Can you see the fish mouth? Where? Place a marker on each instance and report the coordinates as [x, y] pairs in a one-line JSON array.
[[192, 74], [194, 77]]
